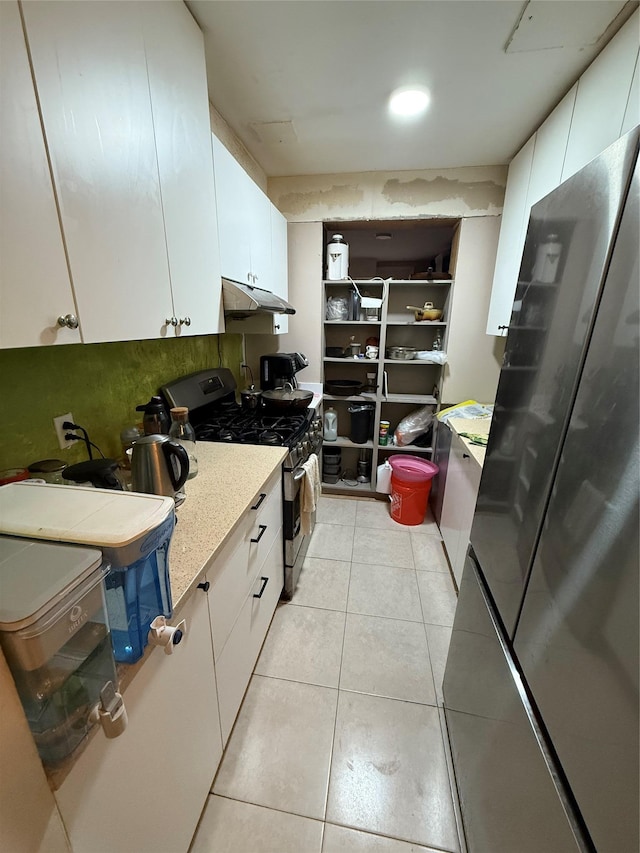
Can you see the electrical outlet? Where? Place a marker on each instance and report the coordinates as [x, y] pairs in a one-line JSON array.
[[61, 432]]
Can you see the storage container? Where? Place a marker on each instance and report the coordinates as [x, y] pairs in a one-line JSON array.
[[410, 486], [55, 636], [133, 532]]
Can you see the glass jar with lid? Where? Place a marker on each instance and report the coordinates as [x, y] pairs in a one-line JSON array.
[[49, 470], [182, 432]]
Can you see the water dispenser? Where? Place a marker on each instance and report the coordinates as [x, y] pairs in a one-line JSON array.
[[54, 633], [133, 533]]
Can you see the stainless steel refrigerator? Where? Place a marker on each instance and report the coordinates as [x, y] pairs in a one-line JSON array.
[[541, 682]]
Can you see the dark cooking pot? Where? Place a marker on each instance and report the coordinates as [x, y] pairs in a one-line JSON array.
[[251, 398], [287, 398], [342, 387]]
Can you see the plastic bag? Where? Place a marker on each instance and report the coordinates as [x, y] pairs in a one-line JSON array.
[[470, 409], [413, 425], [432, 356], [337, 308]]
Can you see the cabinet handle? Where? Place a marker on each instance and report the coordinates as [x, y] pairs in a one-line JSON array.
[[466, 456], [265, 581], [204, 586], [70, 321], [277, 325], [171, 321], [262, 497], [262, 527], [185, 322]]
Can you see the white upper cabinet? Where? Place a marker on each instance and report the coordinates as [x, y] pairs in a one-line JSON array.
[[233, 222], [632, 112], [515, 216], [253, 240], [280, 267], [594, 113], [549, 151], [601, 102], [35, 288], [259, 221], [178, 85], [91, 76]]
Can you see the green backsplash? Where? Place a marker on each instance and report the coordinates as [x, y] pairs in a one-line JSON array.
[[101, 384]]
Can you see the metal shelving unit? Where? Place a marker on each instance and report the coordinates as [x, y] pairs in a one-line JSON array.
[[401, 386]]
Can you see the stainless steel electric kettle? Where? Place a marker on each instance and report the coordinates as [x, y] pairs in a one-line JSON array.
[[159, 466]]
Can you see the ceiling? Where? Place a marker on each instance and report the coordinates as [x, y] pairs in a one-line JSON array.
[[304, 83]]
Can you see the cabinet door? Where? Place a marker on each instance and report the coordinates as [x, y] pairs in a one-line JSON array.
[[91, 76], [239, 656], [460, 494], [233, 217], [178, 85], [35, 288], [468, 484], [279, 267], [449, 522], [632, 112], [145, 790], [550, 150], [603, 93], [515, 217], [259, 212]]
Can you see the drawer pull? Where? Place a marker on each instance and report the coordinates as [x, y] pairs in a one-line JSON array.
[[262, 527], [204, 586], [265, 581], [466, 456], [262, 497]]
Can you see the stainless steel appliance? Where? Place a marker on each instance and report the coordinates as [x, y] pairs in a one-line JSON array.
[[541, 682], [281, 367], [159, 466], [215, 416]]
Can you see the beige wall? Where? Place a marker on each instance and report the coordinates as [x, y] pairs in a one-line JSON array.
[[29, 819], [475, 358], [391, 195]]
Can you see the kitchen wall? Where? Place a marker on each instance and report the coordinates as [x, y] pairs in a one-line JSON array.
[[101, 384]]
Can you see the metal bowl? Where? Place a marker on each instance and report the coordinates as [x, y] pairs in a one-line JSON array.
[[401, 353]]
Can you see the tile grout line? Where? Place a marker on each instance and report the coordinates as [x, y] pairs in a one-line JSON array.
[[335, 719]]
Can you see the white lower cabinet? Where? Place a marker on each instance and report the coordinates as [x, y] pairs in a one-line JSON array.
[[247, 579], [458, 506], [145, 790], [237, 661]]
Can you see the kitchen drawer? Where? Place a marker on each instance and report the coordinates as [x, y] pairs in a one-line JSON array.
[[240, 567], [238, 659]]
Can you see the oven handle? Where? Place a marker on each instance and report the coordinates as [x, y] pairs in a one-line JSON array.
[[298, 475]]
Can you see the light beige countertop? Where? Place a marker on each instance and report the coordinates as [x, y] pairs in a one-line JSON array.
[[229, 478], [479, 426]]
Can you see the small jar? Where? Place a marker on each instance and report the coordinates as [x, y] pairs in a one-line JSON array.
[[182, 432], [128, 437]]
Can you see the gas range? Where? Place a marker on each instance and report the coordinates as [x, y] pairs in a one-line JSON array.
[[214, 414]]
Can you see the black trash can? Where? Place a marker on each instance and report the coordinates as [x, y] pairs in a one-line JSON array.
[[361, 422]]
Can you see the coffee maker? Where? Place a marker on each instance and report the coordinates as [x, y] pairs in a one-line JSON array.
[[280, 367]]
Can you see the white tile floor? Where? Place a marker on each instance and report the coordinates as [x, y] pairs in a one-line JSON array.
[[338, 745]]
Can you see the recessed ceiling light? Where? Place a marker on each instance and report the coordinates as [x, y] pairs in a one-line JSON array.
[[409, 101], [383, 236]]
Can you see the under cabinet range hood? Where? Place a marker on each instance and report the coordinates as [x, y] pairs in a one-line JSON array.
[[244, 300]]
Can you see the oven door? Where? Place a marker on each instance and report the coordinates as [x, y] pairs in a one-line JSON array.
[[295, 541]]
